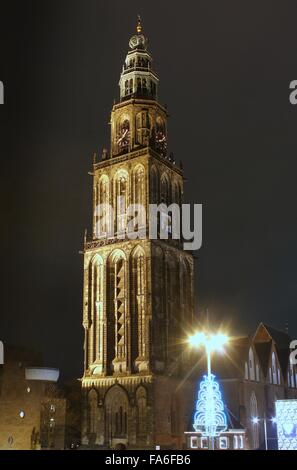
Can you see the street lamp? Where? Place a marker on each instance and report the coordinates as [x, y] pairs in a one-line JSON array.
[[211, 343], [256, 420], [210, 418]]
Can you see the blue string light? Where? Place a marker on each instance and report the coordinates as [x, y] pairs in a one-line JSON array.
[[210, 418]]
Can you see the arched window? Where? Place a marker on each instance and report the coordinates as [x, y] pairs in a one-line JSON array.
[[252, 364], [116, 407], [102, 207], [139, 192], [117, 298], [273, 366], [144, 87], [121, 201], [138, 305], [143, 127], [255, 424], [95, 290], [138, 84], [257, 373]]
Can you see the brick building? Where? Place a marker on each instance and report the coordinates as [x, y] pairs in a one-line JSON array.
[[32, 410], [256, 372]]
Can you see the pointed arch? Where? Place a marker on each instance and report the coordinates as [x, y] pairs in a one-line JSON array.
[[121, 190], [117, 309], [252, 372], [95, 306], [102, 204], [116, 408], [138, 185], [165, 189], [143, 126], [275, 368], [138, 304]]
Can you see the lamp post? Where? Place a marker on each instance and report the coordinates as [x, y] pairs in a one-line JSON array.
[[256, 420], [210, 415]]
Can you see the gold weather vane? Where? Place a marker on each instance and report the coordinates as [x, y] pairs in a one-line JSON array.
[[139, 27]]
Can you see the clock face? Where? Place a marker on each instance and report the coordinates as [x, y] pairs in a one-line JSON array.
[[137, 40], [124, 135]]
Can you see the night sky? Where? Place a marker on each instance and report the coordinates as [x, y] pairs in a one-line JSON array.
[[224, 68]]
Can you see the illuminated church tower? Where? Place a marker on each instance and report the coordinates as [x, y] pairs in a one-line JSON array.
[[138, 294]]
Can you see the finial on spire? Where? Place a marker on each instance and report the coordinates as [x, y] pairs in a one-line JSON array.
[[139, 27]]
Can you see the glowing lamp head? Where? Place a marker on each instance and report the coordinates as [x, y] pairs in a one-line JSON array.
[[255, 420], [217, 342], [273, 420], [197, 339], [212, 342]]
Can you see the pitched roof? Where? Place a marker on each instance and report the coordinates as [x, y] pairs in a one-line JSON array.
[[281, 338]]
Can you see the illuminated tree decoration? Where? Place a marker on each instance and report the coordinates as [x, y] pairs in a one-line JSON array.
[[210, 418]]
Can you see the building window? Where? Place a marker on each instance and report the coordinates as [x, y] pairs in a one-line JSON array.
[[257, 373], [252, 364], [241, 442], [194, 442], [238, 442], [273, 366], [246, 371], [224, 442], [204, 443]]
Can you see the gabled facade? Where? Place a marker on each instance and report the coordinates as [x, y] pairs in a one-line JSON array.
[[259, 373]]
